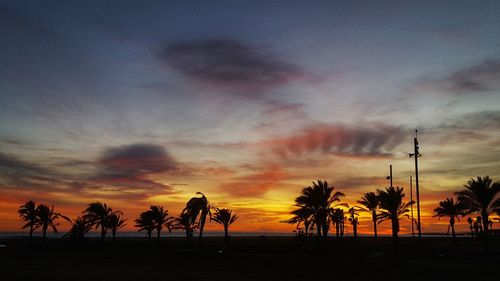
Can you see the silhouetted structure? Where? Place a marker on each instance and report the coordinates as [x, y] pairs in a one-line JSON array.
[[226, 218], [198, 206], [452, 209], [371, 203], [27, 213], [481, 196]]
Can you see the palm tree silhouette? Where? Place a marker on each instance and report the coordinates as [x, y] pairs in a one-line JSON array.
[[338, 218], [226, 218], [393, 208], [452, 209], [302, 215], [470, 221], [354, 221], [481, 196], [198, 206], [79, 229], [27, 213], [184, 222], [371, 205], [98, 215], [146, 223], [115, 222], [319, 198], [47, 217], [160, 219]]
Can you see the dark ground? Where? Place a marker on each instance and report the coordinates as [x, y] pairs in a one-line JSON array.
[[248, 258]]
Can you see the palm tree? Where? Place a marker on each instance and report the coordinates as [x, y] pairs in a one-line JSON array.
[[185, 223], [302, 215], [160, 219], [226, 218], [470, 221], [393, 208], [115, 222], [354, 221], [27, 213], [98, 215], [198, 206], [481, 196], [319, 198], [452, 209], [338, 218], [47, 217], [146, 223], [79, 229], [371, 205]]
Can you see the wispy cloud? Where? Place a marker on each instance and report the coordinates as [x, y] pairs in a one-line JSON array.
[[255, 184], [230, 65], [374, 140], [481, 77]]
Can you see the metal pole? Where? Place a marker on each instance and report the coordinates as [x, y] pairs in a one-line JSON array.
[[411, 207], [390, 173], [416, 155]]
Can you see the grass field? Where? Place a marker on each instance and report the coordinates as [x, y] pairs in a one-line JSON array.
[[248, 258]]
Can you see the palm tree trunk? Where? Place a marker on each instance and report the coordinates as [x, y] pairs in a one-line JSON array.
[[103, 232], [44, 233], [374, 218], [485, 218], [226, 234], [395, 230], [337, 230], [158, 231], [318, 229], [31, 235], [114, 234], [452, 225], [202, 225]]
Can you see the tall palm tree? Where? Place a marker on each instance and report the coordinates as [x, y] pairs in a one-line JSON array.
[[198, 206], [481, 196], [302, 215], [319, 198], [393, 208], [27, 213], [226, 218], [98, 215], [353, 218], [47, 217], [79, 229], [146, 223], [160, 219], [452, 209], [371, 204], [115, 222], [184, 222]]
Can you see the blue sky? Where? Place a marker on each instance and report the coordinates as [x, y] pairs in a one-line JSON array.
[[246, 100]]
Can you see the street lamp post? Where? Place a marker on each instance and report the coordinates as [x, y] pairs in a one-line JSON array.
[[416, 155]]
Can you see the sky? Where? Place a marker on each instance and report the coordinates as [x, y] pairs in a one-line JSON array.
[[138, 103]]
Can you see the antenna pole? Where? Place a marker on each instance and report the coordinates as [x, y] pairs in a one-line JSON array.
[[390, 173], [416, 155], [411, 207]]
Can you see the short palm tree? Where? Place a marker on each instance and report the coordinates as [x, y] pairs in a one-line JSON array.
[[79, 229], [115, 222], [393, 208], [470, 221], [47, 217], [198, 206], [452, 209], [27, 213], [224, 217], [353, 218], [98, 215], [184, 222], [302, 215], [146, 223], [338, 218], [481, 196], [319, 198], [371, 204], [160, 220]]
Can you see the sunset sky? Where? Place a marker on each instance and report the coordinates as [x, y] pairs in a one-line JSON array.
[[148, 102]]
